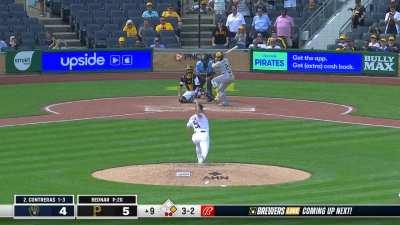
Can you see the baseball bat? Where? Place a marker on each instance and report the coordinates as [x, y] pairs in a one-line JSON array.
[[230, 50]]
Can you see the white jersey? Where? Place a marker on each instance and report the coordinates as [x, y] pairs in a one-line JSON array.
[[223, 67], [198, 122]]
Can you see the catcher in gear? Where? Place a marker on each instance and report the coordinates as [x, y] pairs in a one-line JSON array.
[[192, 85], [223, 70]]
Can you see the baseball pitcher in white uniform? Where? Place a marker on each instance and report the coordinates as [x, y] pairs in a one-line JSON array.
[[225, 77], [200, 136]]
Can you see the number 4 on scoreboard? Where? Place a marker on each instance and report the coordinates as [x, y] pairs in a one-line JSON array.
[[63, 211]]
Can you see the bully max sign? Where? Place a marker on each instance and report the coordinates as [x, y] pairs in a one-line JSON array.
[[380, 64]]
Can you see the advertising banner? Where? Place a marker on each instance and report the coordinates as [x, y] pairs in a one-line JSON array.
[[23, 61], [379, 64], [97, 60], [350, 63]]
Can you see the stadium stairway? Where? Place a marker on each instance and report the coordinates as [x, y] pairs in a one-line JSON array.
[[330, 32], [189, 33], [61, 30]]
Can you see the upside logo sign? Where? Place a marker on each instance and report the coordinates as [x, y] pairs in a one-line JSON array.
[[207, 210], [85, 60]]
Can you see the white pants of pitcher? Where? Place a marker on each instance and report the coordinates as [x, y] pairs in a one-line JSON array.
[[202, 142]]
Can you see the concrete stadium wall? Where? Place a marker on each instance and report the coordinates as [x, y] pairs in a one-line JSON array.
[[170, 62]]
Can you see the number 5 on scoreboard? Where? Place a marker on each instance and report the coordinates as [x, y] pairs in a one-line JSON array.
[[63, 211], [125, 211]]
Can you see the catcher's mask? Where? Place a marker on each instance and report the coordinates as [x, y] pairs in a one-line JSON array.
[[219, 56], [189, 69]]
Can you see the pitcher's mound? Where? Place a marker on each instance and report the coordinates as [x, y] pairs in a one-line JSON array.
[[215, 174]]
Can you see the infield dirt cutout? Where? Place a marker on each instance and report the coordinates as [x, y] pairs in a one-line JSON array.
[[212, 174]]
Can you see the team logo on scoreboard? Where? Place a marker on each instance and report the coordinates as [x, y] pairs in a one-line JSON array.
[[34, 210], [207, 210], [253, 211]]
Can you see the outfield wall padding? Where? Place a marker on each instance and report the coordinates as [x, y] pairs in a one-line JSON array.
[[2, 63]]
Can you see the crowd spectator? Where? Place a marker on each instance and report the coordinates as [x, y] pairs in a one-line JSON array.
[[260, 4], [130, 29], [289, 4], [396, 4], [261, 23], [258, 41], [13, 43], [41, 7], [382, 44], [149, 13], [121, 42], [146, 26], [219, 9], [220, 36], [312, 5], [392, 20], [273, 44], [164, 25], [49, 38], [357, 14], [284, 27], [374, 29], [204, 8], [242, 7], [350, 45], [365, 46], [233, 22], [373, 44], [392, 46], [139, 44], [170, 12], [52, 42], [341, 42], [3, 44], [279, 41], [157, 43], [344, 43], [241, 37]]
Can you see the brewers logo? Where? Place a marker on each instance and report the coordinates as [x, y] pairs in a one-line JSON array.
[[34, 210]]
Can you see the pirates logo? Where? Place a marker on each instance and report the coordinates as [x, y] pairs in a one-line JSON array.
[[34, 210]]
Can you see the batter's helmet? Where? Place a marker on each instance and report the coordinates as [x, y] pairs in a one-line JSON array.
[[219, 56]]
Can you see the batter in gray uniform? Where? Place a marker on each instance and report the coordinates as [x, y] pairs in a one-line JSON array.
[[222, 67]]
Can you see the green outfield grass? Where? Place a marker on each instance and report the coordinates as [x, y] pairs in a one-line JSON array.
[[349, 163], [371, 100]]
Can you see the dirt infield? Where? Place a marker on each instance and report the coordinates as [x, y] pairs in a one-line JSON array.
[[214, 174], [167, 107], [45, 78]]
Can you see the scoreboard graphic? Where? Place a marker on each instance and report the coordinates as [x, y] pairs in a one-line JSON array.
[[127, 207]]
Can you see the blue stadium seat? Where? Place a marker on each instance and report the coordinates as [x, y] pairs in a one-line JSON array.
[[111, 27], [100, 39]]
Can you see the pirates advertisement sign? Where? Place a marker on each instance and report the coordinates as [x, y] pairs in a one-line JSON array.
[[378, 64]]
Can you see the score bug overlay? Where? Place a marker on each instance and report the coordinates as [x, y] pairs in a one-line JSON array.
[[44, 207], [107, 207]]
